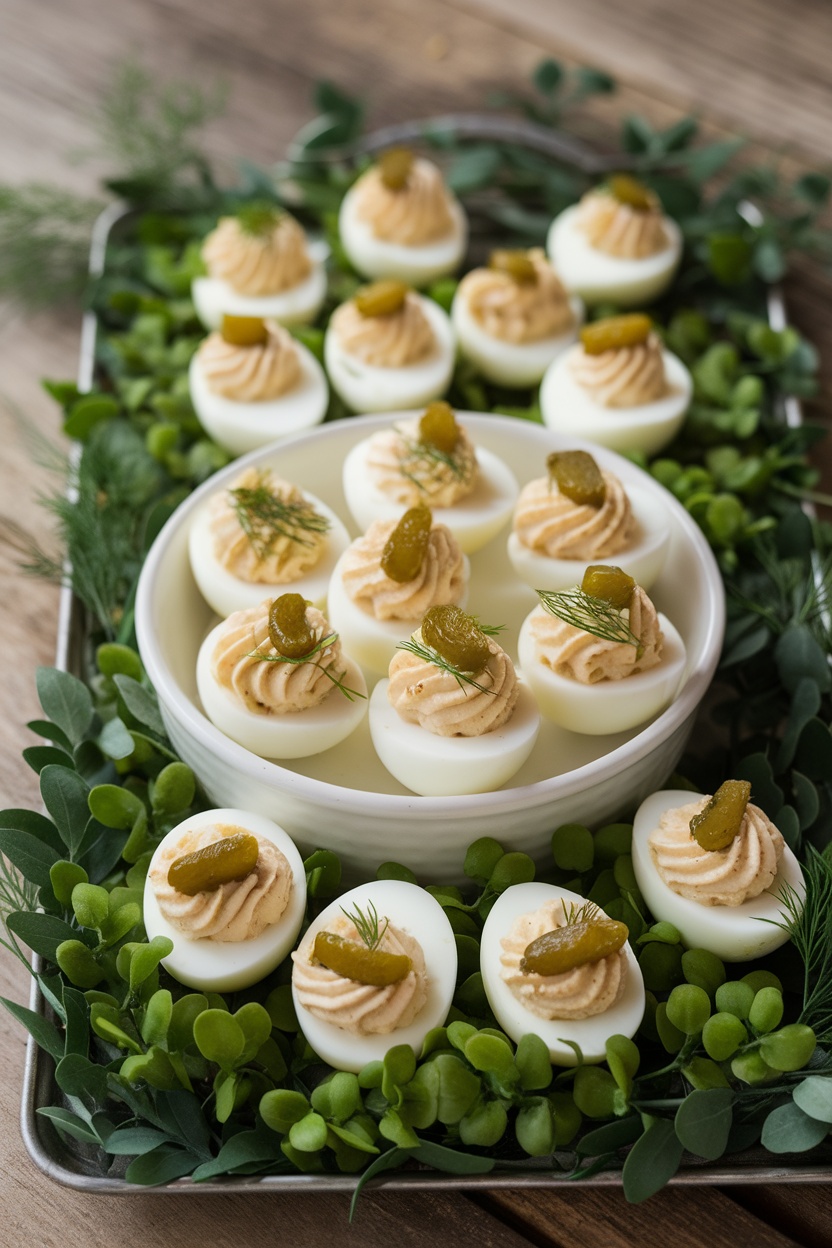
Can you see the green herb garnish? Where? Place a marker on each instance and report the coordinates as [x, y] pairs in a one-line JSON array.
[[367, 925], [591, 615], [259, 218], [318, 648], [264, 517], [429, 655], [424, 462]]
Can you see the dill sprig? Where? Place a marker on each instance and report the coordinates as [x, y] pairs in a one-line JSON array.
[[367, 925], [423, 463], [44, 243], [264, 517], [591, 615], [579, 914], [809, 924], [318, 648], [429, 655], [259, 217], [16, 893]]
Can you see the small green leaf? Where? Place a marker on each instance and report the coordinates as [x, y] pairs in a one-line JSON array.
[[65, 796], [789, 1129], [33, 858], [44, 1033], [161, 1165], [66, 701], [41, 932], [703, 1122], [141, 703], [814, 1097], [219, 1038], [652, 1161]]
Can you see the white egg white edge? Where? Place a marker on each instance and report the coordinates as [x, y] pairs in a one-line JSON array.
[[567, 409], [510, 363], [230, 958], [590, 1034], [296, 735], [377, 257], [610, 705], [392, 899], [241, 427], [643, 560], [369, 641], [368, 388], [735, 933], [432, 766], [298, 305], [474, 520], [597, 277], [226, 593]]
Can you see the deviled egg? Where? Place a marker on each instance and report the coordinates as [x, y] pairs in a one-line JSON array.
[[389, 348], [579, 513], [229, 889], [386, 581], [401, 220], [600, 658], [260, 263], [616, 245], [555, 966], [717, 869], [514, 317], [252, 383], [259, 535], [376, 969], [430, 459], [274, 679], [618, 387], [453, 717]]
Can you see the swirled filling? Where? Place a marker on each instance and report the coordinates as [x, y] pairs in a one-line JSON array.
[[409, 471], [716, 877], [237, 910], [623, 376], [440, 580], [251, 374], [574, 653], [580, 993], [362, 1009], [548, 521], [396, 340], [518, 312], [414, 214], [619, 229], [264, 262], [275, 556], [447, 707], [246, 663]]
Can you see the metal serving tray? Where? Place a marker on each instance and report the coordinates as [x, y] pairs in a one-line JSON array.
[[86, 1168]]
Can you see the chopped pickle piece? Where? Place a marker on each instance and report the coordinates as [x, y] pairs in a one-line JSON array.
[[516, 264], [577, 475], [573, 945], [438, 427], [614, 332], [716, 826], [289, 630], [628, 190], [405, 549], [383, 298], [609, 583], [456, 637], [394, 167], [355, 961], [206, 870], [244, 331]]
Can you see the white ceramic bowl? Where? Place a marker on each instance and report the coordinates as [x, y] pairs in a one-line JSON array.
[[345, 800]]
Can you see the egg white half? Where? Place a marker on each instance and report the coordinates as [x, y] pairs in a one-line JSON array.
[[368, 388], [448, 766], [226, 593], [227, 966], [419, 914], [569, 410], [510, 363], [609, 705], [643, 558], [369, 641], [591, 1034], [474, 520], [215, 298], [736, 933], [295, 735], [241, 427], [600, 278], [376, 257]]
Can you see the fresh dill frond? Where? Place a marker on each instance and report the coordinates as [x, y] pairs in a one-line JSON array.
[[44, 244], [16, 893], [488, 630], [264, 517], [809, 924], [259, 217], [367, 925], [787, 592], [579, 914], [591, 615], [429, 655], [423, 462], [318, 648]]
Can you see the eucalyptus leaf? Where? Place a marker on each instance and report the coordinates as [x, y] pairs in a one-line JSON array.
[[703, 1121], [69, 1123], [814, 1096], [789, 1129], [652, 1161], [161, 1165]]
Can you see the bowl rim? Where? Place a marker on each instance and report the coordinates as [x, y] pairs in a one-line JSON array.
[[321, 793]]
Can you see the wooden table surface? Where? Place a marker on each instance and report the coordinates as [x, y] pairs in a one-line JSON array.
[[752, 66]]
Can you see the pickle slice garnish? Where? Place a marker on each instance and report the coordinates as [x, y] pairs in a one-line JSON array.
[[609, 583], [438, 427], [614, 332], [205, 870], [456, 637], [395, 166], [573, 945], [517, 264], [383, 298], [628, 190], [720, 821], [244, 331], [289, 630], [405, 549], [577, 475], [353, 960]]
